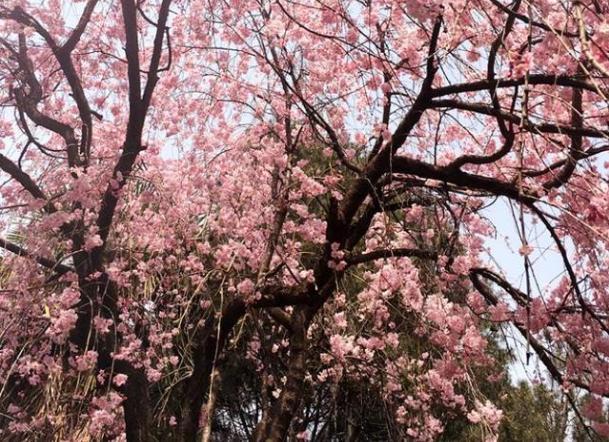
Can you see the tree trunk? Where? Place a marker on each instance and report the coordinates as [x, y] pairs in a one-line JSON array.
[[276, 421], [136, 406], [211, 342]]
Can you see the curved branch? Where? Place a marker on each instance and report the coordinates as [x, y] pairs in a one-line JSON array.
[[21, 177], [411, 166], [44, 262], [575, 151], [391, 253], [534, 79], [76, 34], [551, 128]]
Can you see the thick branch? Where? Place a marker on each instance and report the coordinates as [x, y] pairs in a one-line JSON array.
[[44, 262], [391, 253], [533, 79], [411, 166], [21, 177], [76, 34], [380, 163], [527, 124], [156, 54], [575, 151], [210, 340]]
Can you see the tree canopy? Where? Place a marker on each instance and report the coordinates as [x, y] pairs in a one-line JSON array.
[[276, 219]]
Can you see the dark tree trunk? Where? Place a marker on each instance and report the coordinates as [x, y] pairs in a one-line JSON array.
[[276, 421], [211, 342], [136, 406]]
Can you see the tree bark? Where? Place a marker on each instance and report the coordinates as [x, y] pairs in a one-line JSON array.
[[136, 406], [276, 420], [210, 343]]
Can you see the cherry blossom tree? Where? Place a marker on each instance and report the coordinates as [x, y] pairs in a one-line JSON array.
[[306, 187]]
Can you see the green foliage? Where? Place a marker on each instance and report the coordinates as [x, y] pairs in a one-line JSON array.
[[533, 413]]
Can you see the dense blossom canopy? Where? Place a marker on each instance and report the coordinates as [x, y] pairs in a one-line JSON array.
[[305, 186]]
